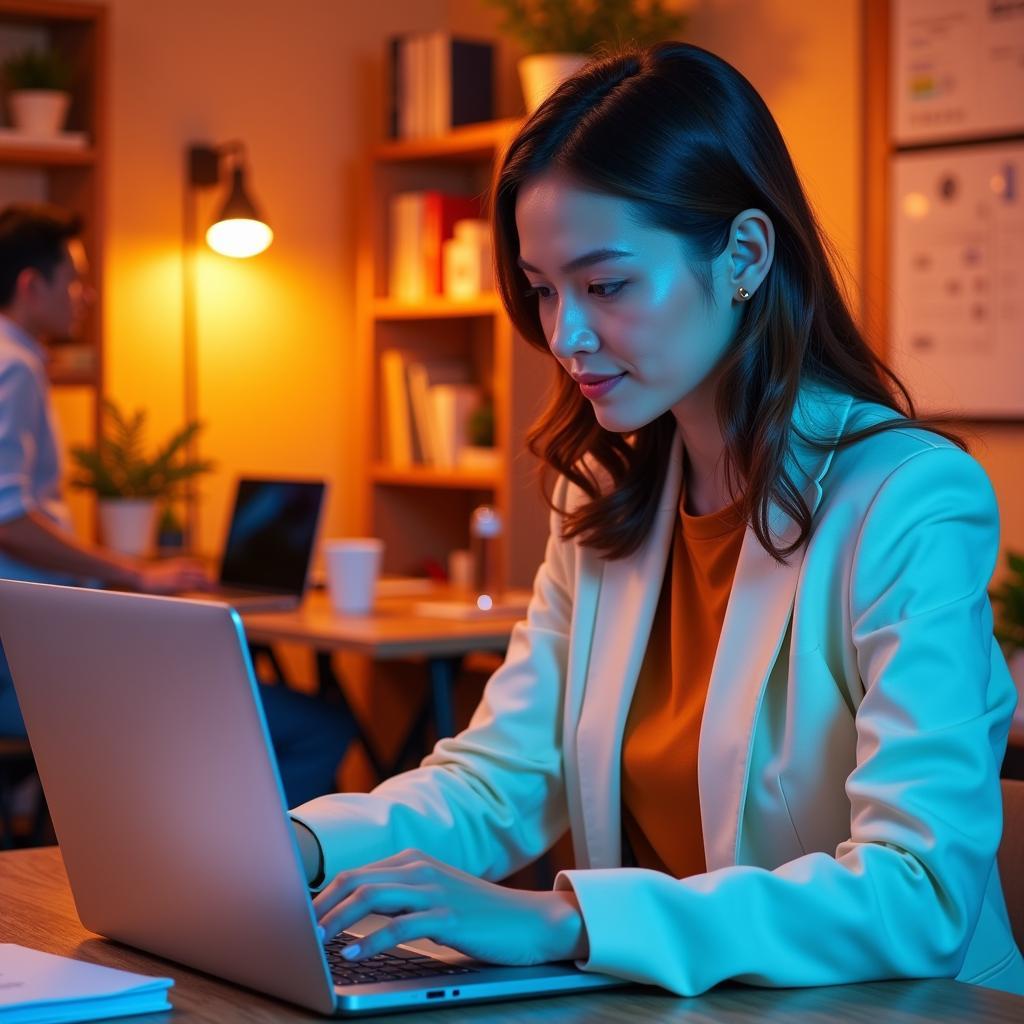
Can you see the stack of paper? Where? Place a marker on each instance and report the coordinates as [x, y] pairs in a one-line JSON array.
[[40, 988]]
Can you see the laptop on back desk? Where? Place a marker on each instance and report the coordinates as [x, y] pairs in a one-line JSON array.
[[269, 546]]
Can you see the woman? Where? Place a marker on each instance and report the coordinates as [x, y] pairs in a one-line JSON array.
[[757, 678]]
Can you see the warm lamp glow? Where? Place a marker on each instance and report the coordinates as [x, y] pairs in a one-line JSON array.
[[239, 237]]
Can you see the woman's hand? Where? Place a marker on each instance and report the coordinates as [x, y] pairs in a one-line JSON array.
[[430, 900]]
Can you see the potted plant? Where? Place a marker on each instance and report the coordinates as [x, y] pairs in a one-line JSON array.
[[1008, 599], [560, 36], [37, 89], [128, 483], [480, 454]]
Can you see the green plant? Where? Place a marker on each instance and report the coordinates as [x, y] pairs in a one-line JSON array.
[[118, 467], [37, 69], [1008, 599], [581, 26], [480, 426]]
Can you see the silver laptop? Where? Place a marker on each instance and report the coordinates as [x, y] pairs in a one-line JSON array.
[[156, 764], [269, 545]]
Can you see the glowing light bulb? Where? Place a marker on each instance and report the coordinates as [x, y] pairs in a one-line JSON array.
[[239, 237]]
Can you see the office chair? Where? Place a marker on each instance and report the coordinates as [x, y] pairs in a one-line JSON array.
[[16, 765], [1011, 855]]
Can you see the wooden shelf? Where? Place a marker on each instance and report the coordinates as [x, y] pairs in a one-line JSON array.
[[471, 142], [438, 308], [72, 177], [43, 156], [428, 476], [423, 513], [49, 11], [70, 379]]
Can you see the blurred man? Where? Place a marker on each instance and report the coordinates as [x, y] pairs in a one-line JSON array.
[[43, 296]]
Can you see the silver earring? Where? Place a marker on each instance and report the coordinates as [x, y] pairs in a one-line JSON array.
[[742, 294]]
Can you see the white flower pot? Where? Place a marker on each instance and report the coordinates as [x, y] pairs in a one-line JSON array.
[[127, 524], [39, 112], [541, 73]]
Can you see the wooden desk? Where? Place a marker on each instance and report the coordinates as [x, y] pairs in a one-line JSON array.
[[37, 911], [392, 630]]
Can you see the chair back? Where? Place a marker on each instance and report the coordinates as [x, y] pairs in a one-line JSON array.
[[1011, 855]]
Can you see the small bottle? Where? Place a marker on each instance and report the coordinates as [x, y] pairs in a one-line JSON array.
[[484, 533]]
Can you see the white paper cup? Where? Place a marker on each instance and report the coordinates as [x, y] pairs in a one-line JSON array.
[[352, 569]]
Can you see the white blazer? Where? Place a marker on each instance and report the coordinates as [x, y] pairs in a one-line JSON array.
[[849, 754]]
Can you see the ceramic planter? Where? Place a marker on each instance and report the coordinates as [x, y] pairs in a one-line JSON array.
[[541, 73], [127, 524], [39, 112]]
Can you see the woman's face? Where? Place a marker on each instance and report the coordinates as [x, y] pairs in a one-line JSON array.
[[621, 310]]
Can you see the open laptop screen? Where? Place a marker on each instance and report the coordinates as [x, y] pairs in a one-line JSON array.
[[271, 536]]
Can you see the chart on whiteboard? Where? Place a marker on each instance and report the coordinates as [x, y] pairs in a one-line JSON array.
[[957, 258]]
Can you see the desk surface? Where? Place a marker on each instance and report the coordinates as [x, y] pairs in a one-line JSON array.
[[390, 631], [38, 912]]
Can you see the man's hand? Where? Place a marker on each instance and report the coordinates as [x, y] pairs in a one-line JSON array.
[[172, 576]]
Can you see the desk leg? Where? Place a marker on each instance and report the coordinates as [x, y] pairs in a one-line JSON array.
[[330, 688], [442, 684], [442, 673]]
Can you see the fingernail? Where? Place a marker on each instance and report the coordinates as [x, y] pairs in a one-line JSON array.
[[321, 933], [351, 952]]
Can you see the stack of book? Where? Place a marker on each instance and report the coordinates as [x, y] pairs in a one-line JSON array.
[[419, 224], [427, 406], [438, 82]]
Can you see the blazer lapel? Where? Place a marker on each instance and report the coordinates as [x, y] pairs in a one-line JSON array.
[[756, 620], [622, 622]]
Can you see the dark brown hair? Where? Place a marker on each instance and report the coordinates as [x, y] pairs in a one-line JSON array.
[[688, 142], [33, 235]]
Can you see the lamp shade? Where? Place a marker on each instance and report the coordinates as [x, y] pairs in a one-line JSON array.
[[239, 229]]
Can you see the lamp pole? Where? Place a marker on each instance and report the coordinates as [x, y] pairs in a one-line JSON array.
[[239, 214], [190, 347]]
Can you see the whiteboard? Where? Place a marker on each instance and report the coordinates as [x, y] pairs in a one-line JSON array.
[[957, 69], [957, 259]]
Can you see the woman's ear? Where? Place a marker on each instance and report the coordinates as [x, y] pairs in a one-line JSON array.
[[751, 251]]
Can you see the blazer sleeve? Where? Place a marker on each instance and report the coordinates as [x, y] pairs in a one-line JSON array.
[[901, 896], [491, 799]]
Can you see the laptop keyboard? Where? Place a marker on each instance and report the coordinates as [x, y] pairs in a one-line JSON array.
[[394, 965]]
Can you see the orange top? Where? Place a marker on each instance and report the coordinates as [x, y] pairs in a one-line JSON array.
[[660, 803]]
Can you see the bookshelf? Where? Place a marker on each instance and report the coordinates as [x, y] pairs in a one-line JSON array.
[[69, 177], [421, 511]]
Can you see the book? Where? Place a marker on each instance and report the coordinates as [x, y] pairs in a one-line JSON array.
[[437, 82], [419, 223], [461, 81], [407, 269], [424, 378], [441, 212], [37, 987], [452, 405], [398, 443]]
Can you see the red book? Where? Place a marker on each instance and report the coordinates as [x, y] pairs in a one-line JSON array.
[[440, 212]]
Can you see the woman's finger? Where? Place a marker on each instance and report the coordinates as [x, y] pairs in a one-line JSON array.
[[378, 898], [405, 872], [427, 924]]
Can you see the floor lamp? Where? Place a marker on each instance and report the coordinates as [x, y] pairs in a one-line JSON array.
[[238, 230]]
